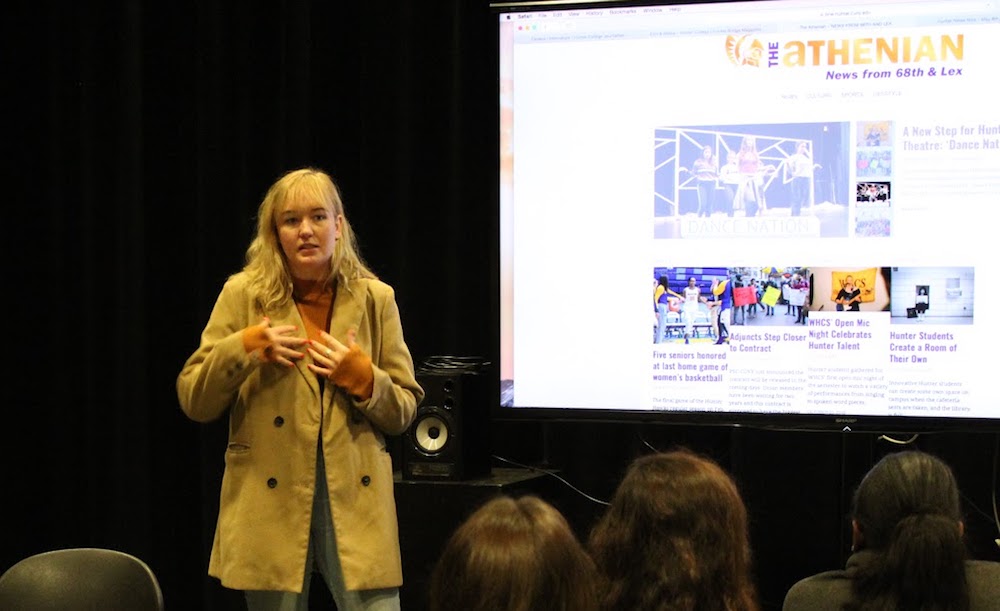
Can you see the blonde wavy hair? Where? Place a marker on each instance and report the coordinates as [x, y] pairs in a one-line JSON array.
[[270, 279]]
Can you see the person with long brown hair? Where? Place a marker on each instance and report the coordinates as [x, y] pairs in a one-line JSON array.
[[676, 538], [908, 551], [514, 554]]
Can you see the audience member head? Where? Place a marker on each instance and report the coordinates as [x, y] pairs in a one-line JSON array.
[[675, 537], [907, 514], [514, 555]]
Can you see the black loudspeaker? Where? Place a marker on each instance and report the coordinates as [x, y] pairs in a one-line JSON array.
[[450, 435]]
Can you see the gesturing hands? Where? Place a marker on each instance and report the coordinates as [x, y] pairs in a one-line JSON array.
[[346, 365], [280, 343], [328, 354]]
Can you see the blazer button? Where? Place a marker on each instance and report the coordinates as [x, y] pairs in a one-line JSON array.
[[278, 421], [366, 480], [272, 483]]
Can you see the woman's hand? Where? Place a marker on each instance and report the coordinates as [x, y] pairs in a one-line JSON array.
[[279, 344], [328, 353], [345, 365]]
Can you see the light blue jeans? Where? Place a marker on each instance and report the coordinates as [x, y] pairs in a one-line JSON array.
[[661, 324], [322, 557]]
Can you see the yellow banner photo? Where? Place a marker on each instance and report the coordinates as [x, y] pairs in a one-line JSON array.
[[863, 279]]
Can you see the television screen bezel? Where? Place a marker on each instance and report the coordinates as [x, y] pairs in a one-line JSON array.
[[779, 421]]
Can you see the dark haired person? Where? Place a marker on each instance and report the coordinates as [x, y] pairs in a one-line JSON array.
[[908, 548], [849, 297], [807, 290], [514, 555], [675, 537], [770, 283], [800, 286], [661, 302], [691, 307], [752, 308], [304, 348], [742, 310], [723, 307]]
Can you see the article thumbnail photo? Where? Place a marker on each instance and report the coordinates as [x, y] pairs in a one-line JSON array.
[[752, 181], [873, 209], [933, 295], [703, 304], [873, 163], [847, 289], [874, 134]]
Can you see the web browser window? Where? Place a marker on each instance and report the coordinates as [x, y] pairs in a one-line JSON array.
[[821, 180]]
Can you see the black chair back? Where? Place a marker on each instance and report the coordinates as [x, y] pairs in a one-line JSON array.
[[80, 579]]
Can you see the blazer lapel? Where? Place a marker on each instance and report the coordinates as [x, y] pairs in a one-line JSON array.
[[348, 309], [291, 316]]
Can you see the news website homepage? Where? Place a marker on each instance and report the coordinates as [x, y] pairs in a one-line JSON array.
[[733, 207]]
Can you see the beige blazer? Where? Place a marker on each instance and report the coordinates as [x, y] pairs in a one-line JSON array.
[[276, 416]]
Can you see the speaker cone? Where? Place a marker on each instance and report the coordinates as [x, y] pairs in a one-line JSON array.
[[431, 434]]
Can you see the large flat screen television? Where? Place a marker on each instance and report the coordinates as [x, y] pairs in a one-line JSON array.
[[821, 178]]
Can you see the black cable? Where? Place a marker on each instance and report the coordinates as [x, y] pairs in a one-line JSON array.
[[547, 472], [968, 502], [646, 443], [996, 463], [902, 442], [453, 364]]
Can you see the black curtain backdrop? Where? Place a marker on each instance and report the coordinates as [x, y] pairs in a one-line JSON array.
[[141, 137]]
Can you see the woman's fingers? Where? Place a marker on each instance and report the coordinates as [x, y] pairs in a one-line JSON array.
[[323, 355], [332, 342]]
